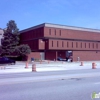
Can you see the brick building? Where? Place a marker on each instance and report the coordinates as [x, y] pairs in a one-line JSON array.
[[49, 41]]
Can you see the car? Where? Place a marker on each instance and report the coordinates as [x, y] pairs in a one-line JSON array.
[[5, 60], [60, 59], [69, 59]]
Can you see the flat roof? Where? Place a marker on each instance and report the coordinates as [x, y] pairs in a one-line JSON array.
[[60, 26]]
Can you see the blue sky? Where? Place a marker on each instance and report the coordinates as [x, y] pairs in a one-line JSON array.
[[28, 13]]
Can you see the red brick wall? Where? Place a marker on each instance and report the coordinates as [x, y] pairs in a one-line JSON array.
[[71, 34], [35, 33], [86, 55], [50, 55], [41, 44], [34, 44]]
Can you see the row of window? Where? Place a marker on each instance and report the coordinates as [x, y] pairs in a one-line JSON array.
[[71, 44]]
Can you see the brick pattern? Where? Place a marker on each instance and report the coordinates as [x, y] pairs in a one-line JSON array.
[[86, 55], [71, 34]]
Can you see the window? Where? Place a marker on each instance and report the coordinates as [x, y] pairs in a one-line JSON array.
[[97, 45], [72, 44], [89, 45], [60, 32], [62, 43], [81, 44], [55, 32], [52, 43], [67, 44], [93, 45], [85, 45], [57, 43], [49, 31], [76, 44]]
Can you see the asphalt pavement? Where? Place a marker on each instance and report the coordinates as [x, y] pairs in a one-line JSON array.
[[75, 83], [66, 89]]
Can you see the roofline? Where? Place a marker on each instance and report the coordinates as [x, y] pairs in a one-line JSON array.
[[62, 27], [71, 27], [34, 27]]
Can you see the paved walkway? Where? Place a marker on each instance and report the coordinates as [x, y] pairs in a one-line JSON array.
[[47, 66]]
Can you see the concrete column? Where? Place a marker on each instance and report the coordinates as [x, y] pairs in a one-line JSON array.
[[56, 55]]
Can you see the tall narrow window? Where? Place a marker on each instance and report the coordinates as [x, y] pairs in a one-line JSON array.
[[89, 45], [93, 45], [60, 33], [76, 45], [85, 45], [97, 45], [52, 43], [62, 43], [55, 32], [67, 44], [72, 44], [49, 31], [57, 43], [81, 44]]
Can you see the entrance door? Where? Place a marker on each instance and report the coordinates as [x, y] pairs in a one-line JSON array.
[[42, 55]]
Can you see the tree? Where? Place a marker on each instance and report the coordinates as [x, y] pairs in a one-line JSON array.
[[12, 27], [1, 51], [10, 38], [10, 42], [22, 50]]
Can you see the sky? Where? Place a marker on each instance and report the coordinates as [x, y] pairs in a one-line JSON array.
[[28, 13]]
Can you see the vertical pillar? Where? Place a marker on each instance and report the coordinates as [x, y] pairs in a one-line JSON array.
[[56, 55]]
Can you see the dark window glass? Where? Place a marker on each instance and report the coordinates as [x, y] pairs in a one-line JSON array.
[[76, 45], [81, 44], [89, 45], [97, 45], [85, 45], [55, 32], [67, 44], [93, 45], [57, 43], [62, 43], [52, 43], [60, 32], [72, 44], [49, 31]]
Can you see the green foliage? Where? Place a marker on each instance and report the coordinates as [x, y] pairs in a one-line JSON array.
[[12, 27], [1, 51], [10, 41], [22, 50]]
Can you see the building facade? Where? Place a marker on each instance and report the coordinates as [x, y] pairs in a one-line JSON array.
[[49, 41]]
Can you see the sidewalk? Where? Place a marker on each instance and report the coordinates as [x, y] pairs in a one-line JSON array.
[[47, 66]]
